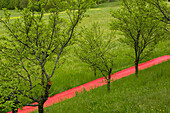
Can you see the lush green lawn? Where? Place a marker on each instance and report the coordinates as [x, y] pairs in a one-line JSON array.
[[149, 93], [73, 72]]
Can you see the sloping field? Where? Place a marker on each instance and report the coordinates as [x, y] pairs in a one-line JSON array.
[[101, 81], [149, 93], [75, 73]]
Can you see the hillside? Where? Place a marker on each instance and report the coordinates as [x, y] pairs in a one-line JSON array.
[[148, 93]]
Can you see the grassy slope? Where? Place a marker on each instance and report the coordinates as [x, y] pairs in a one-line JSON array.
[[74, 73], [148, 93]]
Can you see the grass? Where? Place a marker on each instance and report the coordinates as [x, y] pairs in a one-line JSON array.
[[149, 93], [73, 72]]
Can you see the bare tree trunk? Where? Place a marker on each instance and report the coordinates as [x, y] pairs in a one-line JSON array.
[[108, 83], [40, 108], [108, 86], [42, 80], [136, 67]]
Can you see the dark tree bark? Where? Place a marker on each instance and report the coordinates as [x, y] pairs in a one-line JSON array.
[[108, 86], [108, 83], [136, 67], [40, 108], [14, 110]]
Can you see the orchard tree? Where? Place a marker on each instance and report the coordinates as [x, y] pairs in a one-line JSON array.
[[141, 32], [9, 81], [163, 7], [34, 40], [6, 96], [97, 50], [162, 11]]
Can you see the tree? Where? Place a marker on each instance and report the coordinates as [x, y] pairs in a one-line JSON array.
[[9, 84], [9, 81], [34, 41], [13, 3], [161, 9], [3, 3], [5, 102], [97, 50], [141, 32], [10, 4]]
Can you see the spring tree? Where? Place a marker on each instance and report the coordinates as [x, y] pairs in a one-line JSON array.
[[34, 40], [97, 50], [140, 31]]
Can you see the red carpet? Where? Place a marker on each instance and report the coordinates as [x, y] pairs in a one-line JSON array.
[[93, 84]]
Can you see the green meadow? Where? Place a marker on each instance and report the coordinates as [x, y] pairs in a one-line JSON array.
[[147, 93], [74, 73]]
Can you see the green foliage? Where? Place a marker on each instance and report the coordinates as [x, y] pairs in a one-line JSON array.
[[3, 3], [161, 6], [161, 12], [97, 50], [100, 1], [74, 73], [23, 4], [32, 41], [11, 4], [4, 89], [141, 32], [9, 80]]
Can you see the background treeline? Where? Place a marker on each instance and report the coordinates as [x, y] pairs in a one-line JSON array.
[[11, 4], [20, 4]]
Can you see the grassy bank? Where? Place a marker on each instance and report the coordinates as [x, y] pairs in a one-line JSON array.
[[149, 93], [76, 73], [73, 72]]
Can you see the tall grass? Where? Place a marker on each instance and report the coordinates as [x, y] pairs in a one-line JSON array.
[[149, 93]]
